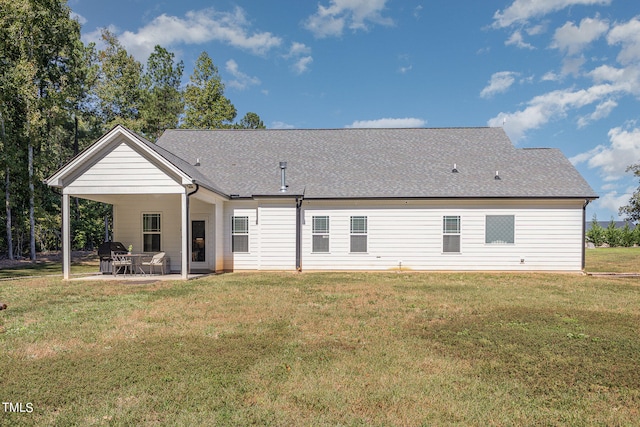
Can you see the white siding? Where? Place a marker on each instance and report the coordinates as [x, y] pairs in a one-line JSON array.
[[241, 261], [548, 236], [277, 227], [127, 226], [123, 171], [272, 236]]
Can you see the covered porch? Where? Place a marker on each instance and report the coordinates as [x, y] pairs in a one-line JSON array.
[[184, 226], [158, 204]]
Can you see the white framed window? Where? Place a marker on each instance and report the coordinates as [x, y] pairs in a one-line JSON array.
[[239, 234], [500, 229], [358, 229], [151, 232], [451, 234], [320, 232]]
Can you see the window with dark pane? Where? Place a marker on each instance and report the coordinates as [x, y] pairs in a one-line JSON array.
[[151, 232]]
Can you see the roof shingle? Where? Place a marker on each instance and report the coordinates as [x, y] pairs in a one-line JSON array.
[[374, 163]]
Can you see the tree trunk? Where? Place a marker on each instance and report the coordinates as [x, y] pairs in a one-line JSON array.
[[32, 219], [106, 227], [7, 192], [7, 204]]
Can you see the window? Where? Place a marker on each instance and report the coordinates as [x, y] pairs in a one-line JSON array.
[[451, 234], [320, 231], [151, 232], [499, 229], [358, 234], [239, 234]]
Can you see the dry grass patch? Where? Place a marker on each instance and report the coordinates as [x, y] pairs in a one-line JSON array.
[[325, 349]]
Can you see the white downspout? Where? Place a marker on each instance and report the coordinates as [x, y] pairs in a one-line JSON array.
[[66, 238], [184, 269]]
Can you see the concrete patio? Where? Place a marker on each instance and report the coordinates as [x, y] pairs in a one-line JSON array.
[[139, 277]]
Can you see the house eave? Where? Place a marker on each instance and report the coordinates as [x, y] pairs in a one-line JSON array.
[[58, 178]]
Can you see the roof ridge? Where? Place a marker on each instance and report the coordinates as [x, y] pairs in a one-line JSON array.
[[333, 129]]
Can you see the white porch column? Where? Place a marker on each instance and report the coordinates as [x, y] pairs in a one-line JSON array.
[[219, 237], [66, 237], [185, 236]]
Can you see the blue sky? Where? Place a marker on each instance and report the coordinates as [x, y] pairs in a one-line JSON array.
[[553, 73]]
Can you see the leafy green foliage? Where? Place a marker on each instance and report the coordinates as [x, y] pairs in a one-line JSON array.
[[206, 107], [58, 96], [632, 210], [162, 100], [119, 87], [595, 234], [251, 121]]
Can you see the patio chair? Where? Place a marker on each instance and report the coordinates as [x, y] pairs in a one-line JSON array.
[[158, 260], [118, 262]]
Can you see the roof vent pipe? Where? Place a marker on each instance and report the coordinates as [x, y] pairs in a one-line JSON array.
[[197, 162], [455, 168], [497, 177], [283, 179]]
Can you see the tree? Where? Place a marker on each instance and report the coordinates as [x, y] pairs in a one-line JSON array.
[[595, 234], [612, 234], [37, 44], [119, 87], [206, 107], [163, 99], [632, 210], [251, 121]]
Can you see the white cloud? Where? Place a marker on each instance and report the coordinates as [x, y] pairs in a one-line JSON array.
[[517, 40], [241, 80], [302, 64], [353, 14], [407, 122], [281, 125], [602, 110], [623, 150], [405, 70], [521, 11], [198, 27], [625, 80], [298, 49], [550, 77], [628, 35], [613, 201], [572, 39], [81, 19], [300, 54], [544, 108], [500, 82], [572, 64]]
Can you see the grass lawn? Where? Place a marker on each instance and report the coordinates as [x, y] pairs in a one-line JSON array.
[[613, 260], [323, 349]]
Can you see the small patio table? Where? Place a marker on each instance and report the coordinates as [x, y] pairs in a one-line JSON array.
[[136, 262]]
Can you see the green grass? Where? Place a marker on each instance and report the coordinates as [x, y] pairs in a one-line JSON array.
[[613, 260], [43, 269], [323, 349]]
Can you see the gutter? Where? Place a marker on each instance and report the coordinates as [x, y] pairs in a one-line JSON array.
[[299, 233], [188, 266], [584, 233]]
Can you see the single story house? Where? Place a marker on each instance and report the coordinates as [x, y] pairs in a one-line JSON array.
[[335, 199]]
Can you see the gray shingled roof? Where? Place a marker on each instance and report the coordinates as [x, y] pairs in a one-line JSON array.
[[373, 163]]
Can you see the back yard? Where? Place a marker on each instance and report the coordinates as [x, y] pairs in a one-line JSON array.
[[326, 349]]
